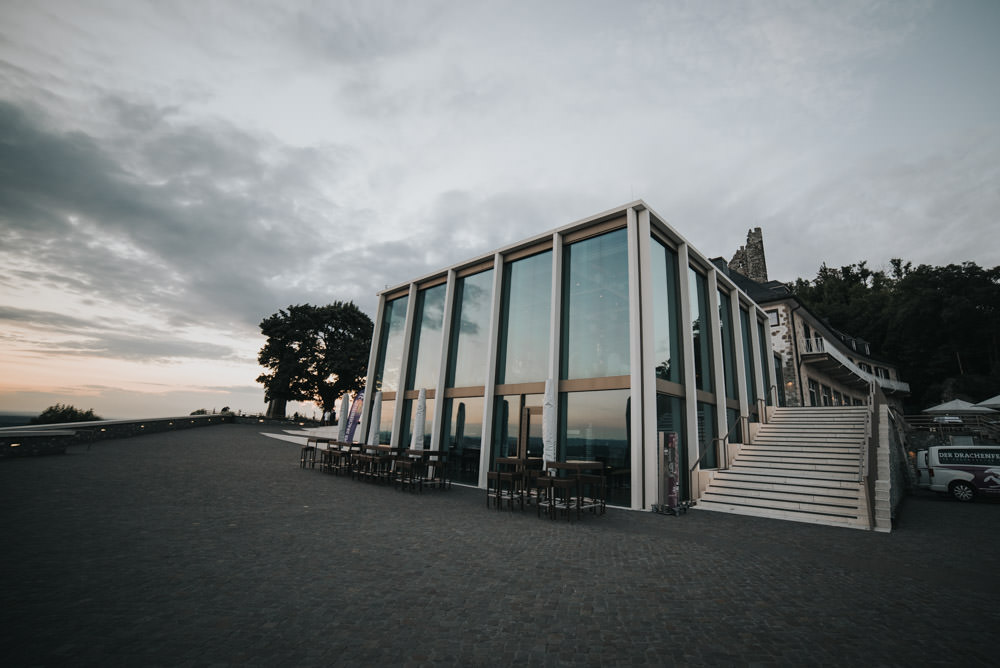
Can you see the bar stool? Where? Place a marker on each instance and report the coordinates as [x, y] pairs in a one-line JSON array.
[[564, 495]]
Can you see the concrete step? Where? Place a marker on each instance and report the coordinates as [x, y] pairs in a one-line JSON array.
[[798, 473], [802, 503], [752, 488], [805, 449], [774, 513], [807, 452], [770, 478]]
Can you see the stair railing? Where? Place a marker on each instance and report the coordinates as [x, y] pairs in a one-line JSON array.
[[868, 464], [742, 421]]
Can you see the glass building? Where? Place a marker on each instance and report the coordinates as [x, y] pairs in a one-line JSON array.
[[645, 339]]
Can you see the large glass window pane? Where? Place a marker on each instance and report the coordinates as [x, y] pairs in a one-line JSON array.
[[526, 304], [765, 367], [406, 424], [470, 330], [595, 323], [670, 420], [698, 289], [728, 346], [706, 436], [385, 422], [462, 437], [425, 350], [748, 363], [507, 424], [594, 426], [666, 314], [779, 381], [390, 356]]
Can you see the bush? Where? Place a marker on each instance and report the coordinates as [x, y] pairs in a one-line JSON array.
[[61, 413]]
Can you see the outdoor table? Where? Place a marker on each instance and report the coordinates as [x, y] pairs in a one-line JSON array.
[[576, 468]]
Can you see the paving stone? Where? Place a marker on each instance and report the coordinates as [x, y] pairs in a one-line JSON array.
[[211, 547]]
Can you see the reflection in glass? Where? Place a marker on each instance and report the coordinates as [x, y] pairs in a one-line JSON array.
[[780, 382], [698, 289], [734, 425], [385, 422], [728, 345], [748, 364], [594, 426], [462, 437], [406, 423], [390, 356], [507, 424], [706, 436], [470, 330], [666, 314], [670, 419], [765, 367], [523, 351], [425, 349], [595, 322]]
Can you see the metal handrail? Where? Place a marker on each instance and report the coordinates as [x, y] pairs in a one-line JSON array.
[[743, 420]]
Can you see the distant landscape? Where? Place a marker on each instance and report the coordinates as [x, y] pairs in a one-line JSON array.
[[15, 419]]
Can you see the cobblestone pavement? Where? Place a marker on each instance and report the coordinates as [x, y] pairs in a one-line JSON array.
[[211, 547]]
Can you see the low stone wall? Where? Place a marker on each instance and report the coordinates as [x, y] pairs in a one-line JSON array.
[[38, 440]]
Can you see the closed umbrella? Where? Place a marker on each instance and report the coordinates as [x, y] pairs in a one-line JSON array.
[[417, 440], [460, 427], [549, 422], [376, 419], [343, 419]]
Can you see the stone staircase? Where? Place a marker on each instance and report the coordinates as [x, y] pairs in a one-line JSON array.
[[802, 466]]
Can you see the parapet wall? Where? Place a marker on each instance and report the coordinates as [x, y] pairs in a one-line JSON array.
[[53, 439]]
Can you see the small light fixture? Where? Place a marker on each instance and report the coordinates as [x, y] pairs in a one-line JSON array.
[[15, 445]]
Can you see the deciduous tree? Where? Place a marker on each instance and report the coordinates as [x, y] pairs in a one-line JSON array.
[[314, 353]]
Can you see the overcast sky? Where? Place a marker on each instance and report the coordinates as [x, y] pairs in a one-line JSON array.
[[173, 172]]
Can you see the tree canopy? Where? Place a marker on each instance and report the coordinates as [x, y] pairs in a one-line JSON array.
[[61, 413], [314, 353], [939, 324]]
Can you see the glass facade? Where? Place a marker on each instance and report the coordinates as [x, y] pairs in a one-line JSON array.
[[390, 359], [666, 314], [593, 354], [526, 308], [507, 425], [470, 330], [748, 364], [670, 418], [406, 424], [595, 426], [462, 437], [595, 324], [385, 422], [698, 287], [764, 366], [706, 436], [728, 347], [425, 348]]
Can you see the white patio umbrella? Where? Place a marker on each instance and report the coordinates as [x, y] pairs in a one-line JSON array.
[[417, 439], [958, 407], [549, 422], [342, 419], [376, 419], [993, 403]]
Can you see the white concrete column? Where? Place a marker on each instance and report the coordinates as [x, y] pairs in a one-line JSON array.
[[718, 364], [690, 387], [449, 310], [397, 415], [370, 378], [489, 393], [635, 354]]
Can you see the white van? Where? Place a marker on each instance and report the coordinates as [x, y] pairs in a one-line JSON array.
[[964, 471]]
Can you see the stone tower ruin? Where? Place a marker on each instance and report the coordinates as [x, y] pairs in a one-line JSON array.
[[749, 260]]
